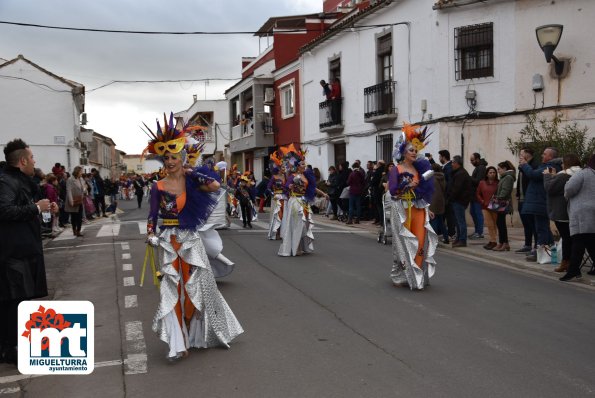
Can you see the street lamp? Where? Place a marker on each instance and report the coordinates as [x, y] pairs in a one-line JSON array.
[[548, 37]]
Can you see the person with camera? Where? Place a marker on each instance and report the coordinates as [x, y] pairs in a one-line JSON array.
[[536, 198], [22, 267]]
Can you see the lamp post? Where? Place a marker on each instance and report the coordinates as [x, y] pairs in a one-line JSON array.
[[548, 37]]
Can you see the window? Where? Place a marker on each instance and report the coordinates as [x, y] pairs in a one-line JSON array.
[[384, 148], [139, 167], [287, 99], [334, 69], [384, 49], [474, 51]]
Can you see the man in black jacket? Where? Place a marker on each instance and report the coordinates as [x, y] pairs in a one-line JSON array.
[[444, 158], [479, 173], [459, 194], [99, 194], [22, 268]]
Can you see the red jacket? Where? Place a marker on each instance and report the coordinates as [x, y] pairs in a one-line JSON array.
[[485, 192]]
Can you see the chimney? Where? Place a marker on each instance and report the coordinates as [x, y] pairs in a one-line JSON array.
[[194, 97]]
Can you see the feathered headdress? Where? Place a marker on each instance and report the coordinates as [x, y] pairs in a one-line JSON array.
[[411, 135], [168, 139], [193, 152], [292, 157]]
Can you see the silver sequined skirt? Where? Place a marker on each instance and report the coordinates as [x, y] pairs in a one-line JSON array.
[[296, 228], [214, 324], [405, 247]]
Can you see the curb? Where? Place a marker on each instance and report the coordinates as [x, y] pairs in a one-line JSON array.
[[475, 251]]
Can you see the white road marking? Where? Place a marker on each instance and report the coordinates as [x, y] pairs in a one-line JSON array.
[[126, 267], [76, 247], [136, 358], [108, 230], [125, 256], [130, 301], [10, 390], [67, 234], [129, 281], [142, 227], [125, 245]]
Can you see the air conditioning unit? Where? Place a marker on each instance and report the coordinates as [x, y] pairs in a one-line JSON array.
[[269, 95]]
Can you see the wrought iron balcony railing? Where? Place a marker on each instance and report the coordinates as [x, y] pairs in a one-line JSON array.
[[330, 113], [380, 100]]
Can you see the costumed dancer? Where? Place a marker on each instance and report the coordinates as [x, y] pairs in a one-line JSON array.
[[242, 194], [277, 187], [296, 226], [232, 183], [191, 312], [220, 264], [411, 186]]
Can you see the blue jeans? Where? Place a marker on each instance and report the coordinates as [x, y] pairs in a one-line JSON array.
[[355, 204], [528, 221], [477, 215], [461, 226], [542, 227]]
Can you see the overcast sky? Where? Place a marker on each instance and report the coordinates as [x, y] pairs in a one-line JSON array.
[[94, 59]]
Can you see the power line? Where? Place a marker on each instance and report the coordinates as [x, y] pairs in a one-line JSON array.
[[161, 81], [143, 32], [48, 88], [214, 33]]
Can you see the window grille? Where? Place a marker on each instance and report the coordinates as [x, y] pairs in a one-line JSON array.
[[384, 148], [474, 51]]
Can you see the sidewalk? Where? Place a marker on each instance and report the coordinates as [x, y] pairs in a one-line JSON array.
[[475, 250]]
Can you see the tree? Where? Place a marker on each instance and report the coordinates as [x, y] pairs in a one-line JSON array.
[[539, 134]]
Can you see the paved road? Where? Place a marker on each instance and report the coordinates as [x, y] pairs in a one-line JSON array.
[[328, 324]]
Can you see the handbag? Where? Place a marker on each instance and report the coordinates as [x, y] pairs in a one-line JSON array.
[[77, 200], [89, 206], [499, 205]]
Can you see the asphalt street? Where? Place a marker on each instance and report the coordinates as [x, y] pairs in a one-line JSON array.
[[328, 324]]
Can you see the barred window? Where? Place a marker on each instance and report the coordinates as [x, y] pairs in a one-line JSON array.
[[384, 148], [474, 51]]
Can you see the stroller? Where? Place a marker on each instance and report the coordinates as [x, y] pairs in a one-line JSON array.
[[386, 231]]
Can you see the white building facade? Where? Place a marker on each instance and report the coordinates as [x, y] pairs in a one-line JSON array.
[[42, 109], [466, 68], [214, 115]]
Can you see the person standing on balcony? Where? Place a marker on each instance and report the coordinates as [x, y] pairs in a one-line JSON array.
[[336, 101], [326, 89]]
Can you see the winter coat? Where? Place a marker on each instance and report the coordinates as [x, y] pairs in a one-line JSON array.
[[484, 192], [438, 204], [356, 182], [22, 267], [333, 188], [447, 169], [479, 173], [523, 181], [376, 188], [580, 191], [51, 192], [557, 205], [535, 197], [461, 187], [505, 186], [74, 188], [99, 185]]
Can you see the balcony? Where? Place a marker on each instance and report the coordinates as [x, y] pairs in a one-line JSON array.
[[330, 116], [380, 103]]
